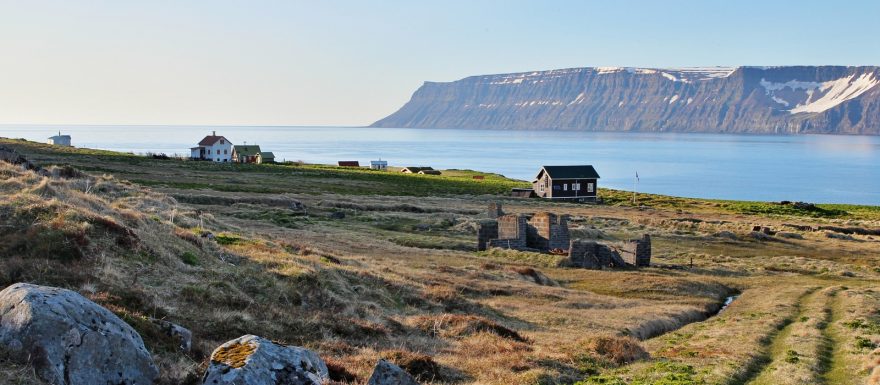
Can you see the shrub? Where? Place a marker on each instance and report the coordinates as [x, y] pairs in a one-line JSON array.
[[792, 357], [227, 239], [189, 258], [862, 343], [618, 350]]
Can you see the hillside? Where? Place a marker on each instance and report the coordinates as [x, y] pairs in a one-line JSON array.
[[755, 100], [360, 265]]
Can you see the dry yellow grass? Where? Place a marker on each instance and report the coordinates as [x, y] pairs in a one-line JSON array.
[[398, 278]]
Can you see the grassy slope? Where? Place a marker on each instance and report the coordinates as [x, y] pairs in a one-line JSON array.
[[365, 286], [344, 180]]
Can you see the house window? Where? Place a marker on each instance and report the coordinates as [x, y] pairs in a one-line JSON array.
[[589, 187], [542, 185], [222, 142], [565, 186], [576, 186], [224, 152]]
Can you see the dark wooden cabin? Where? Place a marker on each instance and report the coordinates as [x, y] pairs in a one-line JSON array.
[[573, 183], [348, 163]]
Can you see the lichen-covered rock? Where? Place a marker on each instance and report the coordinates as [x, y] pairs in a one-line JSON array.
[[386, 373], [71, 340], [252, 360]]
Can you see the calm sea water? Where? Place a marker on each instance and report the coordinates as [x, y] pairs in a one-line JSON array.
[[813, 168]]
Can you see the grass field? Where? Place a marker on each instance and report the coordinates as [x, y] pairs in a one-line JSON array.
[[361, 265]]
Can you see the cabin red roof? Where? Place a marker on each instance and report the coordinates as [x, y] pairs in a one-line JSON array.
[[210, 140], [349, 163]]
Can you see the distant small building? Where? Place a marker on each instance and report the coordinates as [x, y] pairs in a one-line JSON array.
[[348, 163], [247, 153], [267, 157], [429, 172], [415, 170], [213, 147], [523, 193], [59, 140], [380, 165], [575, 183]]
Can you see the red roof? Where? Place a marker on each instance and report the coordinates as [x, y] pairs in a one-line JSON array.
[[210, 140], [349, 163]]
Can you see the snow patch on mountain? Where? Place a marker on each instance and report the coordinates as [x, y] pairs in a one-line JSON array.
[[819, 96], [838, 91]]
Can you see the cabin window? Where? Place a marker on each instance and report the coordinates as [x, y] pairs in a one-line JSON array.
[[589, 187], [557, 187], [576, 186], [565, 187], [224, 152], [542, 185]]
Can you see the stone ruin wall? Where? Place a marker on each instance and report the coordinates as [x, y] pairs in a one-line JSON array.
[[548, 231], [593, 255]]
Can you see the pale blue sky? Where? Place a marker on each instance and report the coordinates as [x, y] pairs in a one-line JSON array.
[[352, 62]]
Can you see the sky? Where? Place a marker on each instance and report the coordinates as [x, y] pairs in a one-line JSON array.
[[328, 62]]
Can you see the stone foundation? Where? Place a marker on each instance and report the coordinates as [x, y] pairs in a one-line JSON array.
[[594, 255]]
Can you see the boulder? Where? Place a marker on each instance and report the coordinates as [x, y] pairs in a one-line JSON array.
[[181, 334], [386, 373], [71, 340], [253, 360]]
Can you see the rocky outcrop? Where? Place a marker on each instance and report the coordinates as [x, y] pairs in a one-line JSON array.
[[71, 340], [386, 373], [252, 360], [764, 100]]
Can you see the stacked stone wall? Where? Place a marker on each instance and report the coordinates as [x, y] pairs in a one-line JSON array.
[[495, 210], [487, 231]]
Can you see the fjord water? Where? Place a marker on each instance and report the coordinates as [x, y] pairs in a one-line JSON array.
[[812, 168]]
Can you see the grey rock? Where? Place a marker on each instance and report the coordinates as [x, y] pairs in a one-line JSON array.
[[253, 360], [839, 236], [337, 215], [386, 373], [734, 100], [71, 340], [180, 333]]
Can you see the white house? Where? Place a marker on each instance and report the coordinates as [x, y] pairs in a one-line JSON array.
[[380, 165], [59, 140], [214, 148]]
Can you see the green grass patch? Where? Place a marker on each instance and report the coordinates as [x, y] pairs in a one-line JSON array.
[[227, 239], [189, 258]]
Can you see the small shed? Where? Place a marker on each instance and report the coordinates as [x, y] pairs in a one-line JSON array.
[[267, 157], [380, 165], [415, 170], [59, 140], [523, 193], [348, 163], [247, 153]]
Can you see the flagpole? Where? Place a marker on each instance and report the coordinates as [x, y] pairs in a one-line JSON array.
[[635, 180]]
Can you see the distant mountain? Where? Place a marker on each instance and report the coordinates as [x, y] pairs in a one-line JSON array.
[[764, 100]]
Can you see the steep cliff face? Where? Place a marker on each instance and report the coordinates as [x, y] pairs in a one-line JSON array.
[[824, 99]]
